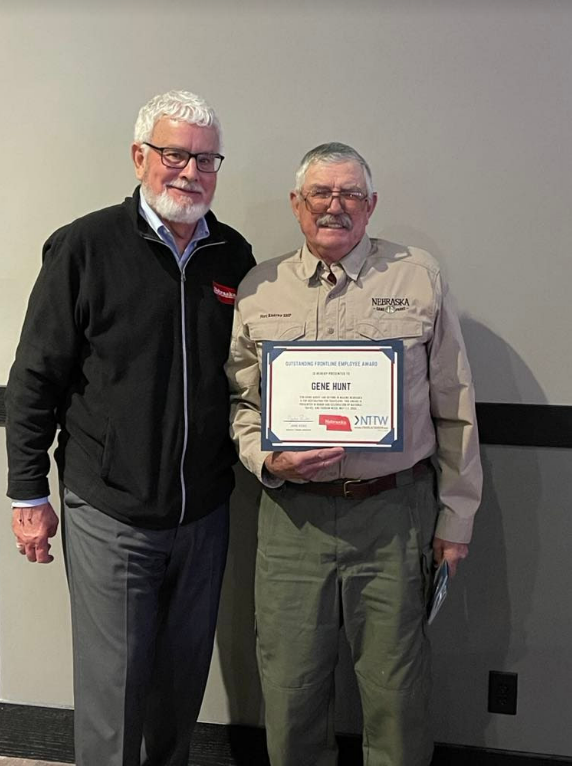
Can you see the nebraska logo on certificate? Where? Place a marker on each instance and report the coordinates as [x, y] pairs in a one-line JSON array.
[[332, 393]]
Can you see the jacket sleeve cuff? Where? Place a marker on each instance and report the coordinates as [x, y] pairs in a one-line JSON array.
[[28, 490]]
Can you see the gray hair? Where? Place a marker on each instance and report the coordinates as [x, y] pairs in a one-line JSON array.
[[332, 152], [180, 105]]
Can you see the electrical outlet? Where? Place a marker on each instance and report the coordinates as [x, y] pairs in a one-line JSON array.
[[502, 692]]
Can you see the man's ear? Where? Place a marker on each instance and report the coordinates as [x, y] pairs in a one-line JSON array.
[[371, 205], [138, 156], [295, 203]]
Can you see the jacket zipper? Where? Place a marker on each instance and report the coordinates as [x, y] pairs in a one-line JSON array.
[[185, 397], [185, 372]]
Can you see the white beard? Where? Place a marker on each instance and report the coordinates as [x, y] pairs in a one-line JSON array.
[[170, 209]]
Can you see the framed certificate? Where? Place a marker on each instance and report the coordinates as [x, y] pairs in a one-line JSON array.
[[332, 393]]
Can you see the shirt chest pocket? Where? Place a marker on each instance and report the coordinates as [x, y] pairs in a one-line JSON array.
[[279, 330], [410, 331], [275, 331]]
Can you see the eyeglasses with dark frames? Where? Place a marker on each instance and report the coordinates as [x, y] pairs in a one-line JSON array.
[[207, 162], [319, 200]]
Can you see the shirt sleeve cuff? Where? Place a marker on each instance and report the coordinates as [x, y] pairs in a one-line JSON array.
[[454, 528], [30, 503], [269, 480]]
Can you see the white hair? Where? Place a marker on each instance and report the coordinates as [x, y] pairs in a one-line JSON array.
[[180, 105], [332, 152]]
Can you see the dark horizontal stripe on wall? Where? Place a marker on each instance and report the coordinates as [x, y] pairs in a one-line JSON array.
[[47, 733], [523, 425]]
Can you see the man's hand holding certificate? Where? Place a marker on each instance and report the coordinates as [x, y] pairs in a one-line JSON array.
[[302, 466]]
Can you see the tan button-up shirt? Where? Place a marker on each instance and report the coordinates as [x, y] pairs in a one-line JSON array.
[[382, 291]]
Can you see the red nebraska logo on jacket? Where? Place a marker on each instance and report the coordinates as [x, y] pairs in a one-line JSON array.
[[224, 294]]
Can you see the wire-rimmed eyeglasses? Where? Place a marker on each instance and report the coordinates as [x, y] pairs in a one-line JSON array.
[[320, 200]]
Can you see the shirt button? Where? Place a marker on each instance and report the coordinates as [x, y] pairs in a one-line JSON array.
[[330, 330]]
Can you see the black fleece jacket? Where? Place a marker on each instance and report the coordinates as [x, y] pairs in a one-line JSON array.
[[126, 354]]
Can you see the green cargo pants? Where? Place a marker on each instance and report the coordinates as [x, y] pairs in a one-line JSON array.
[[322, 561]]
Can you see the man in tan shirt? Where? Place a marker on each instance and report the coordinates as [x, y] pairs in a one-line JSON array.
[[358, 555]]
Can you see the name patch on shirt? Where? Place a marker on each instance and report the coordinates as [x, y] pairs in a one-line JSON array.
[[390, 305], [224, 294]]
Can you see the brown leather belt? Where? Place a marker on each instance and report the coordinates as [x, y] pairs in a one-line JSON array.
[[360, 488]]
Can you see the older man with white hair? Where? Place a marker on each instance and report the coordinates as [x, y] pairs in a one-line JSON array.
[[123, 347], [347, 537]]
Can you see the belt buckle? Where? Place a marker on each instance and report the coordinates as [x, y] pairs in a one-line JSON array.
[[347, 489]]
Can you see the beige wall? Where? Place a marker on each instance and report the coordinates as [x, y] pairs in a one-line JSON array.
[[463, 108]]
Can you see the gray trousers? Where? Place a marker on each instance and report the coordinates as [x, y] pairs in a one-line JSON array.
[[144, 606], [322, 561]]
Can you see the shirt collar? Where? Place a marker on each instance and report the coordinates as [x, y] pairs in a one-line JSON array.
[[355, 259], [352, 262]]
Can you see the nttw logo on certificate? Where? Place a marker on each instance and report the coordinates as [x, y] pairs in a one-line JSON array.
[[332, 393]]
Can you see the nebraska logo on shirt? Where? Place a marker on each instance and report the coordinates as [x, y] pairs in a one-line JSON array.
[[224, 294], [390, 305]]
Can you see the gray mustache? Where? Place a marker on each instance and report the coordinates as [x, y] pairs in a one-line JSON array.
[[328, 220], [194, 187]]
